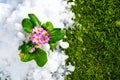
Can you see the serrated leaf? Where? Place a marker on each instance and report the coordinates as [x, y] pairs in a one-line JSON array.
[[48, 26], [53, 46], [56, 35], [34, 20], [27, 25], [40, 57]]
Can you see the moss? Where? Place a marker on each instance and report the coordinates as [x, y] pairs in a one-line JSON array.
[[95, 40]]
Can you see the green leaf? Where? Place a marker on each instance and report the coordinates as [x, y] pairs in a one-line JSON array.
[[26, 47], [25, 57], [48, 26], [27, 25], [56, 35], [53, 46], [34, 20], [118, 22], [40, 57], [24, 54]]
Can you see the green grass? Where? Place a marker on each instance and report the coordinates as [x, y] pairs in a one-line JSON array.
[[95, 40]]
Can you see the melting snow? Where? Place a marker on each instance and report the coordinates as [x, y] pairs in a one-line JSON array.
[[11, 36]]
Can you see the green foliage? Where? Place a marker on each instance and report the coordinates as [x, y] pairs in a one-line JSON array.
[[54, 32], [39, 55], [34, 20], [56, 35], [25, 57], [48, 26], [118, 23], [95, 40], [53, 46], [24, 54], [27, 25]]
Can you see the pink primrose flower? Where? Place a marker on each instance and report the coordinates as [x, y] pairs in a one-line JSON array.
[[39, 37], [37, 29], [36, 38]]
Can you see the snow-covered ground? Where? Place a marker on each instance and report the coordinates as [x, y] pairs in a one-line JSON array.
[[11, 14]]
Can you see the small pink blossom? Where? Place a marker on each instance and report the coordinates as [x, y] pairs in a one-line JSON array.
[[44, 40], [29, 37], [37, 29], [39, 37], [32, 50], [45, 33], [36, 38]]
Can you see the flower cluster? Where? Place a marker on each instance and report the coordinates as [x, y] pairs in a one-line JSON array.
[[39, 37], [38, 34]]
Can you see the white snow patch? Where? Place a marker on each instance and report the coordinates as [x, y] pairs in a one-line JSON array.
[[71, 68], [46, 47], [64, 45], [11, 36], [21, 36]]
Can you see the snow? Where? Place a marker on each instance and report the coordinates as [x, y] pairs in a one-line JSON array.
[[46, 47], [64, 45], [21, 36], [70, 67], [11, 36]]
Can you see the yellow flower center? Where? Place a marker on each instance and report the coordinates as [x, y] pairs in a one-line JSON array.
[[45, 33], [38, 30], [37, 39], [38, 45]]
